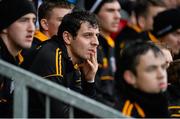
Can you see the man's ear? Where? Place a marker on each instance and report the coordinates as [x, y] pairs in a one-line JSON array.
[[129, 77], [44, 24], [67, 37]]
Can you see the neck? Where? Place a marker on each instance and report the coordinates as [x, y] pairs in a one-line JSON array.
[[104, 33], [12, 48], [46, 33]]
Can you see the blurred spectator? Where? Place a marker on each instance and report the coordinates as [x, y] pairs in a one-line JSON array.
[[167, 29], [108, 14], [141, 19], [50, 14], [127, 15], [142, 81]]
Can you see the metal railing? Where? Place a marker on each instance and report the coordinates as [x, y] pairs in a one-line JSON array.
[[24, 79]]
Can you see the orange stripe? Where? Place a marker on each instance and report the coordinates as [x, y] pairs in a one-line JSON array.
[[153, 38], [129, 110], [39, 35], [20, 58], [107, 78], [127, 103], [135, 27], [60, 62], [175, 115], [52, 75], [174, 107], [57, 67], [140, 110], [109, 40]]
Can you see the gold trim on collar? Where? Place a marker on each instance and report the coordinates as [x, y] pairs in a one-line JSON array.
[[153, 38], [135, 27], [39, 35]]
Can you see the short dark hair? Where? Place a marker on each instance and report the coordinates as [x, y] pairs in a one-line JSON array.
[[46, 8], [142, 6], [131, 54], [72, 22]]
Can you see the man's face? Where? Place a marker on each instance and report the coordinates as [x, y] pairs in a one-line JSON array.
[[173, 41], [151, 73], [20, 33], [109, 16], [147, 23], [55, 19], [85, 43]]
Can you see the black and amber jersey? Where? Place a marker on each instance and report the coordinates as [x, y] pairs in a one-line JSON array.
[[6, 84], [129, 34], [53, 63], [106, 71], [135, 103], [39, 38]]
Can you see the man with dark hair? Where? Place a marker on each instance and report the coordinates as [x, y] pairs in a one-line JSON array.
[[68, 59], [108, 14], [17, 27], [142, 81]]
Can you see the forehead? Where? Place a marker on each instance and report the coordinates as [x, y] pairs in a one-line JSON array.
[[86, 26], [150, 58]]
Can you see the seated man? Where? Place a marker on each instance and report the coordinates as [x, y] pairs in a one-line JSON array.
[[68, 59], [142, 81]]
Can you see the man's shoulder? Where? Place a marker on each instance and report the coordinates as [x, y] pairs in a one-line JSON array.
[[50, 45]]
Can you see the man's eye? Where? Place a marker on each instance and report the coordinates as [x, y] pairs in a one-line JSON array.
[[88, 35], [97, 35], [22, 19], [150, 69]]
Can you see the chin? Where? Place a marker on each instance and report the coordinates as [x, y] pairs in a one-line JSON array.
[[115, 29], [27, 46]]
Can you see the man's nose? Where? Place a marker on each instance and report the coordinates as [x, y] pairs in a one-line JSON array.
[[31, 26], [161, 73], [95, 41]]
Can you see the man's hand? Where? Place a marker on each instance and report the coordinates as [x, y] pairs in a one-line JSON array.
[[90, 67]]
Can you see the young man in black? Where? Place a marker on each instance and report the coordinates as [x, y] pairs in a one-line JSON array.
[[68, 59]]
